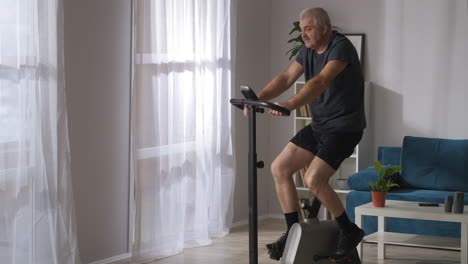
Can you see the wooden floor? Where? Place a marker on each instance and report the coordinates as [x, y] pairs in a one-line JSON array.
[[233, 249]]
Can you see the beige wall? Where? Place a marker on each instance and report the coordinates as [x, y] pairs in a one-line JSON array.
[[97, 72], [252, 68]]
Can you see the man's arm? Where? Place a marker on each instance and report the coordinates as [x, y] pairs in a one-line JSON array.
[[281, 82], [315, 86]]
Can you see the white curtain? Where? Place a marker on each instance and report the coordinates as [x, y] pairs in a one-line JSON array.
[[36, 202], [182, 128]]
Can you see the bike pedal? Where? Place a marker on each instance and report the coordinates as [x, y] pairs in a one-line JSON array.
[[274, 255]]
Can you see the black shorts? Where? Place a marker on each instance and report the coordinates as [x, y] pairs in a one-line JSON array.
[[332, 148]]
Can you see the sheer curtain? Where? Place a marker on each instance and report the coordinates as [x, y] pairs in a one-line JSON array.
[[36, 203], [182, 128]]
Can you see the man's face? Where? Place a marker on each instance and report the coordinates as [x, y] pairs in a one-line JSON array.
[[311, 35]]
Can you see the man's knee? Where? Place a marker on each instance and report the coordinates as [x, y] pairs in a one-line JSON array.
[[314, 180], [280, 170]]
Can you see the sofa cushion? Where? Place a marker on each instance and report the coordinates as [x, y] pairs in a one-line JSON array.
[[434, 164], [389, 155]]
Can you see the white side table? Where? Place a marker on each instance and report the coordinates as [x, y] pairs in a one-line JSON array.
[[411, 210]]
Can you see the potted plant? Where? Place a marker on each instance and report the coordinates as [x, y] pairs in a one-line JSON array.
[[383, 183]]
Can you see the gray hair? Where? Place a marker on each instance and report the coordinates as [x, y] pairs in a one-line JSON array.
[[320, 15]]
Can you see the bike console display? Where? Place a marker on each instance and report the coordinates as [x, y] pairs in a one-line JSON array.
[[248, 93]]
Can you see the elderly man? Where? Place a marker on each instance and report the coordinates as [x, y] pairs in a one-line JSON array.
[[334, 89]]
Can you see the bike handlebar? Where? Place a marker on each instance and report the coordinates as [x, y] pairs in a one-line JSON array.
[[261, 104]]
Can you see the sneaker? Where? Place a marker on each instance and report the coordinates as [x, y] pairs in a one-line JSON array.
[[276, 248], [348, 241]]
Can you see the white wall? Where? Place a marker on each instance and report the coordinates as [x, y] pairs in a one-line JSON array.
[[97, 72], [430, 72]]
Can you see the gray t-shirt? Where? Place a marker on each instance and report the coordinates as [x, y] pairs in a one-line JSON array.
[[340, 108]]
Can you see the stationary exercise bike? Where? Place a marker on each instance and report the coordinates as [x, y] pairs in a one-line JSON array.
[[310, 242]]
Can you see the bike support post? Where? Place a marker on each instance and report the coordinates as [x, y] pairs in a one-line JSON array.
[[253, 239]]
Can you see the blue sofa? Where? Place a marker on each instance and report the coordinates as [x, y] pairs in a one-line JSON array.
[[432, 169]]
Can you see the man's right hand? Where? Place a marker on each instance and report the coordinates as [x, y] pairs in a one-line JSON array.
[[246, 110]]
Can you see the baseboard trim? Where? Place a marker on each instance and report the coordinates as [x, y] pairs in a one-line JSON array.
[[113, 259], [260, 218], [127, 256]]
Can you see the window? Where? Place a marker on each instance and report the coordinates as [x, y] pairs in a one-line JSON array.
[[17, 73]]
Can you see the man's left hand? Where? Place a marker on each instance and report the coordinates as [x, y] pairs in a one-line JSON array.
[[282, 104]]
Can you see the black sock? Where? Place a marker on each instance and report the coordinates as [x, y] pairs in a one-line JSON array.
[[344, 223], [291, 219]]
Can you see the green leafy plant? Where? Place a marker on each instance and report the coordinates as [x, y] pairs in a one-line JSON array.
[[383, 184], [297, 41]]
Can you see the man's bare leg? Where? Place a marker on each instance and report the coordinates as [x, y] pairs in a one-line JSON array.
[[290, 160], [316, 178]]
